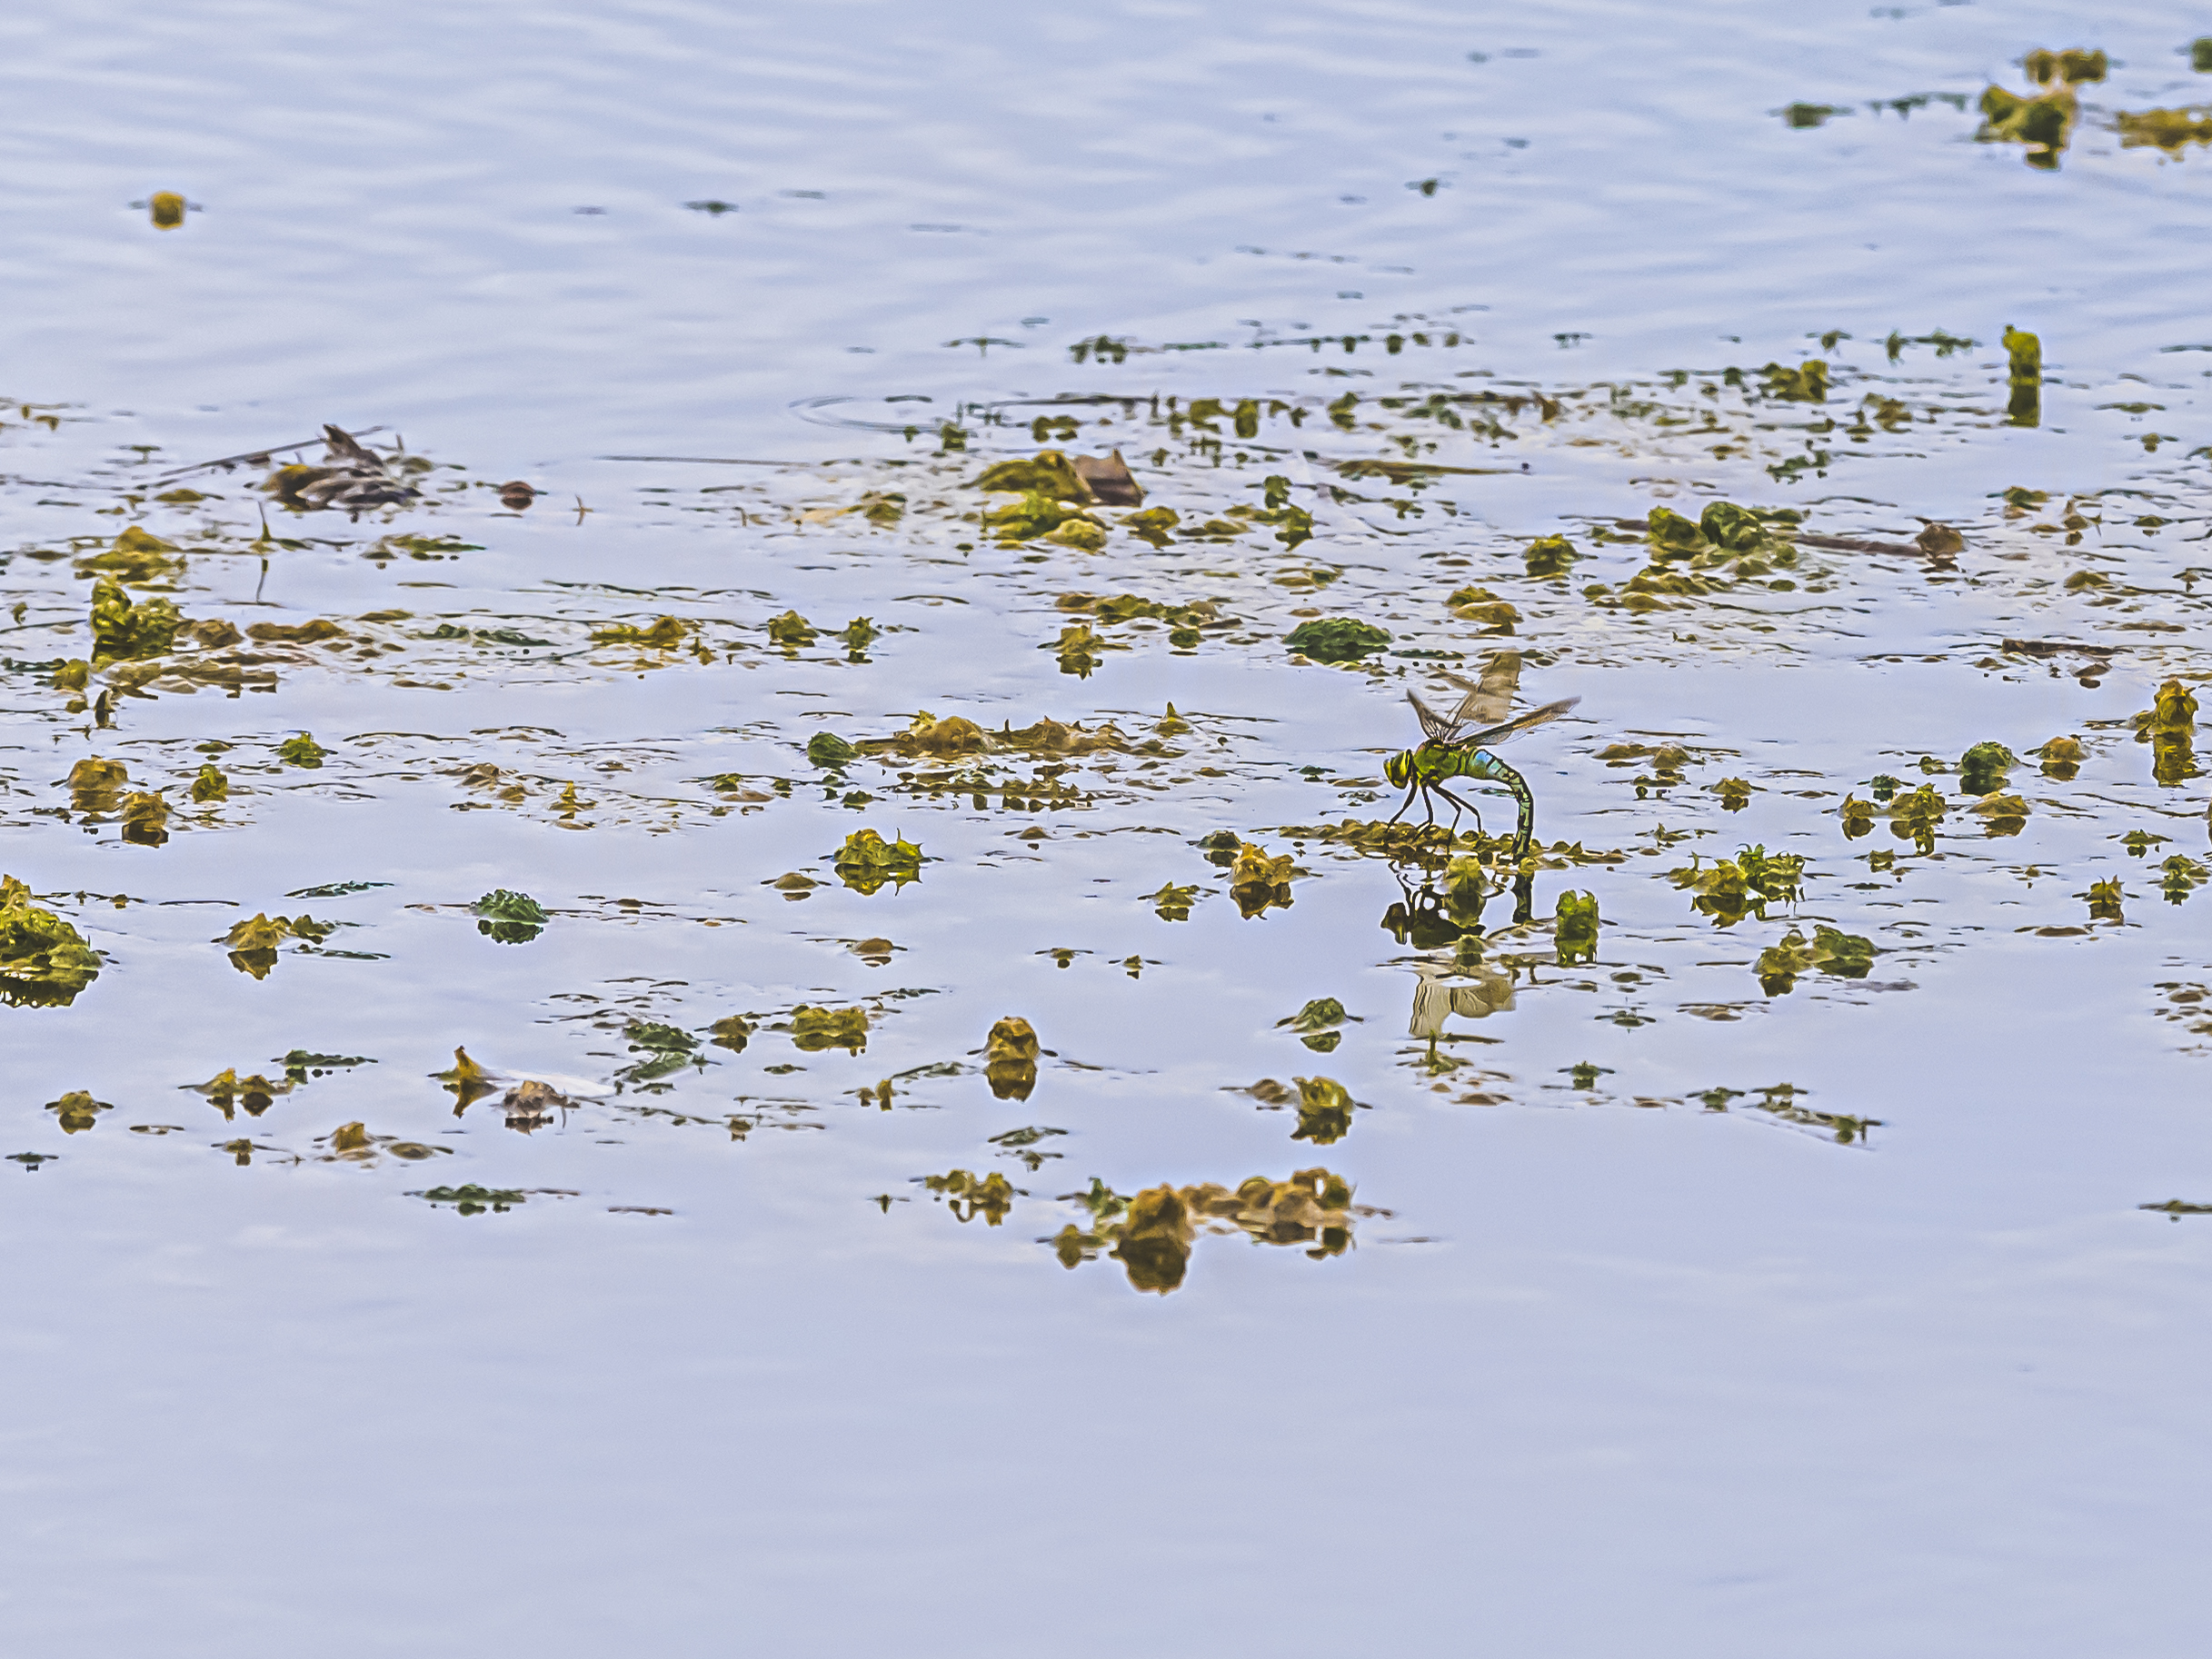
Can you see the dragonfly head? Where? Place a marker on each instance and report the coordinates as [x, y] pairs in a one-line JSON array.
[[1399, 770]]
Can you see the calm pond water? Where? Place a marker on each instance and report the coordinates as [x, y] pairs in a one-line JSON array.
[[953, 1134]]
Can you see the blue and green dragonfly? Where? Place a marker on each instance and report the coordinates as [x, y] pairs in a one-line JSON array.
[[1459, 746]]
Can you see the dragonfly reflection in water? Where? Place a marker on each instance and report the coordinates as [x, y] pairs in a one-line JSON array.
[[1459, 746]]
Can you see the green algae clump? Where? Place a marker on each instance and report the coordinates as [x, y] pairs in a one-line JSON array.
[[1009, 1058], [867, 860], [2165, 129], [827, 749], [1336, 638], [509, 917], [814, 1030], [1324, 1110], [1549, 556], [1152, 1234], [1574, 929], [44, 962], [1847, 955], [122, 631]]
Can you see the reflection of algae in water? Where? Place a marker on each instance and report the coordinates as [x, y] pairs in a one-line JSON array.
[[815, 1030], [253, 942], [1982, 768], [227, 1090], [1259, 881], [2167, 129], [473, 1199], [1549, 556], [1781, 1100], [1574, 930], [1317, 1023], [44, 962], [145, 819], [1152, 1234], [2044, 122], [210, 785], [666, 1048], [1009, 1058], [731, 1032], [1324, 1110], [1732, 889], [466, 1081], [136, 558], [665, 634], [124, 632], [2104, 901], [1804, 383], [828, 750], [77, 1111], [2024, 374], [791, 630], [1847, 955], [95, 785], [1336, 638], [302, 750], [866, 861], [2169, 727], [968, 1195], [509, 917], [2180, 876], [1172, 903], [1915, 817]]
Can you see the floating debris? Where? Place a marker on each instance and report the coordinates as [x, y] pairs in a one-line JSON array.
[[352, 480]]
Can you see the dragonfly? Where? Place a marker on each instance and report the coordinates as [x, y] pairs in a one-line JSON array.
[[1458, 745]]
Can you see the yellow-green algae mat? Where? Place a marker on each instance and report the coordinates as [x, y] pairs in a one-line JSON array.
[[953, 811]]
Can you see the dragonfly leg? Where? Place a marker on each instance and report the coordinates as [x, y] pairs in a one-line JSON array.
[[1458, 807], [1402, 805]]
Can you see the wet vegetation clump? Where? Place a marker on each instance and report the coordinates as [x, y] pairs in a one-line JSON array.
[[1010, 1060], [509, 917], [866, 861], [44, 962], [1336, 638], [1152, 1234], [1830, 950], [2042, 122]]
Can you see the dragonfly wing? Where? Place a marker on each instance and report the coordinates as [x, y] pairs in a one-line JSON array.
[[1526, 722], [1488, 699], [1434, 724]]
